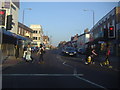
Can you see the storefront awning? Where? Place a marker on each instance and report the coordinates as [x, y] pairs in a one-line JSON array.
[[15, 35]]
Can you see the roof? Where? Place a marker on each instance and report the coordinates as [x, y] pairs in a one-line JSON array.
[[25, 27]]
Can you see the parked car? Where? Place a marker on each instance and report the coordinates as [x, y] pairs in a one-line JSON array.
[[33, 49], [71, 51], [47, 48], [81, 51]]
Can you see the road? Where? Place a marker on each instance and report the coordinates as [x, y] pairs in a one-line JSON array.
[[58, 71]]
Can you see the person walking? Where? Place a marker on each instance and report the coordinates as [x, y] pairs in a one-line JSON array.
[[93, 54], [25, 52], [40, 53], [107, 61], [88, 53], [28, 54], [16, 51]]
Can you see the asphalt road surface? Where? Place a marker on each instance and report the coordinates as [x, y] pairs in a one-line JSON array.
[[59, 71]]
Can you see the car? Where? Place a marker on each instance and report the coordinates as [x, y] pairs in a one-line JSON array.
[[47, 48], [71, 51], [33, 49], [81, 51]]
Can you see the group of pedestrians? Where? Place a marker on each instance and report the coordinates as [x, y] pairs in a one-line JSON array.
[[27, 56], [91, 55]]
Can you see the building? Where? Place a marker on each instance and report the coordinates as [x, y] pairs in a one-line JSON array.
[[9, 38], [25, 32], [12, 8], [11, 43], [83, 39], [100, 33], [118, 29], [74, 41], [37, 35], [46, 41]]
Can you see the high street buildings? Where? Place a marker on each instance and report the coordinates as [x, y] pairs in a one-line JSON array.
[[9, 38], [101, 32], [13, 39], [105, 31], [11, 8], [37, 35]]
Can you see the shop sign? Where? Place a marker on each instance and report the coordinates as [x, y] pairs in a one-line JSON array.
[[6, 4], [101, 42]]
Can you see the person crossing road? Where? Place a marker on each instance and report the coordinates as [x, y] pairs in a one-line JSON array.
[[90, 54], [40, 53]]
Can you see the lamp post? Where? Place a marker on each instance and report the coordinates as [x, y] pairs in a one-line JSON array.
[[93, 16], [24, 12]]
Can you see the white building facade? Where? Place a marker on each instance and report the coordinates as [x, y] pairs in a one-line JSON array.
[[37, 35]]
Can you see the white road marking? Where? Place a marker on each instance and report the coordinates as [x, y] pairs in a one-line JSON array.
[[74, 69], [42, 74], [64, 63], [91, 82], [75, 73]]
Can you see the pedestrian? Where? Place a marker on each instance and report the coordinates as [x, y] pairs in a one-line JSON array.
[[40, 53], [16, 51], [93, 54], [88, 53], [25, 52], [107, 60], [28, 55]]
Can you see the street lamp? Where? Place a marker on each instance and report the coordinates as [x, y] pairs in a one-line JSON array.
[[93, 16], [24, 12]]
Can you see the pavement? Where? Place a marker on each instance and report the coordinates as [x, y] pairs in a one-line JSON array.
[[10, 61]]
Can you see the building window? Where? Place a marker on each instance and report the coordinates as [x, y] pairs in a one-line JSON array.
[[35, 31], [113, 22], [104, 26], [34, 38], [19, 30], [13, 7]]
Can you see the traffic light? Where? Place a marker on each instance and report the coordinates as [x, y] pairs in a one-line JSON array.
[[2, 17], [9, 22], [111, 32]]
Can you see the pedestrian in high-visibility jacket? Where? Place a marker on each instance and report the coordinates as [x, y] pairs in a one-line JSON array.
[[107, 56], [107, 59], [88, 53]]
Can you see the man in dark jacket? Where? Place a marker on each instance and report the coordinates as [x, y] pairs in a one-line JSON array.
[[41, 52], [88, 53]]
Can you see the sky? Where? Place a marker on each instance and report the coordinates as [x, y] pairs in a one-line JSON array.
[[61, 20]]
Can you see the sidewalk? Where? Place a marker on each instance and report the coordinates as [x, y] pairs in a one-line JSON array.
[[10, 61]]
